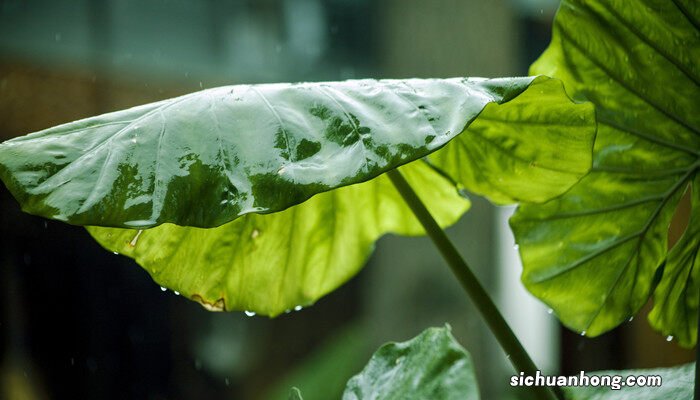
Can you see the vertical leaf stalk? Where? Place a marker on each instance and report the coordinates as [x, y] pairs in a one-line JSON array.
[[489, 312]]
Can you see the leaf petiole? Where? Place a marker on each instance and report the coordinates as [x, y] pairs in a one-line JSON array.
[[489, 312]]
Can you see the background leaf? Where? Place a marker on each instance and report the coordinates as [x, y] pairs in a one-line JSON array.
[[592, 254], [430, 366], [324, 373], [677, 383]]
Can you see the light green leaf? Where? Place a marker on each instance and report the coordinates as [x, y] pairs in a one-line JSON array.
[[532, 148], [271, 263], [593, 254], [238, 158], [676, 383], [430, 366]]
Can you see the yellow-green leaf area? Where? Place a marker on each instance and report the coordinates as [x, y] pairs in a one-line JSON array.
[[272, 263], [597, 253]]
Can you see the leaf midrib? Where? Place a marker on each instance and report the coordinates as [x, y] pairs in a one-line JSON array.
[[581, 261], [601, 119]]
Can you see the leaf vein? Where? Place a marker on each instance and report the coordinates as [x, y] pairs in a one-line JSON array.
[[566, 35]]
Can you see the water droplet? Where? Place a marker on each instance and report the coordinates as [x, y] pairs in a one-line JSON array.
[[163, 288], [227, 381], [549, 311], [583, 333], [254, 234], [516, 247], [399, 360], [46, 225], [140, 223], [116, 253], [508, 356], [72, 361], [298, 308], [630, 320], [287, 311], [200, 85], [176, 292], [249, 313], [669, 338]]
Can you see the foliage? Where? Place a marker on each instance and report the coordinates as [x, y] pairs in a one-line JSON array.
[[597, 253], [430, 366], [676, 383], [242, 156], [434, 366], [267, 197]]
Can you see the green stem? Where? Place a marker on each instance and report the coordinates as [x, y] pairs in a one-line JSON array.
[[498, 325]]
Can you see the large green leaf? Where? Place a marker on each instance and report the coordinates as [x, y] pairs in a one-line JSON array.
[[595, 254], [237, 158], [676, 383], [430, 366], [209, 157]]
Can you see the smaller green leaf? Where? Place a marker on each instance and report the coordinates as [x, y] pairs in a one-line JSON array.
[[295, 394], [676, 383], [430, 366], [675, 311]]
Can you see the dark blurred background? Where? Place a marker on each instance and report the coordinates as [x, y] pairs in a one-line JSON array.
[[77, 322]]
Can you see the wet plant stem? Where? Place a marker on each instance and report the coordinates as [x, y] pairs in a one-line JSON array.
[[489, 312]]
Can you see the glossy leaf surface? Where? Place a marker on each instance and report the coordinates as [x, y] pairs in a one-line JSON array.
[[595, 254], [676, 383], [430, 366], [206, 158]]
